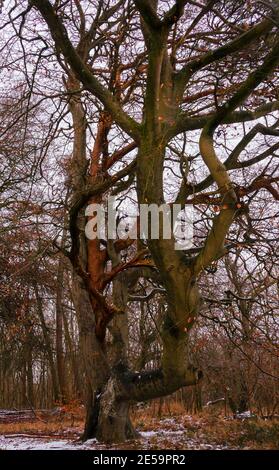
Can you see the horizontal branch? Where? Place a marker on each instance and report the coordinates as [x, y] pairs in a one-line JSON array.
[[145, 298], [184, 123], [153, 384]]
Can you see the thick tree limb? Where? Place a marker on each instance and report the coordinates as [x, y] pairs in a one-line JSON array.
[[153, 384], [173, 15], [184, 123], [148, 13], [222, 222]]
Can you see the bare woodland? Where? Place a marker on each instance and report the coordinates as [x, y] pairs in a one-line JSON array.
[[149, 102]]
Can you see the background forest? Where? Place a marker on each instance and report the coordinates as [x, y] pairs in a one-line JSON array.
[[147, 101]]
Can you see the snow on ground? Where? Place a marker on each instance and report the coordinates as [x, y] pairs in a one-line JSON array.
[[32, 443], [169, 439], [170, 435], [245, 414], [158, 437]]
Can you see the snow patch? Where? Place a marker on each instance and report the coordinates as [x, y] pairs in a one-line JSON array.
[[23, 443], [245, 415]]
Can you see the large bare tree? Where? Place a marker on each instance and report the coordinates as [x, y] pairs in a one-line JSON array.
[[158, 73]]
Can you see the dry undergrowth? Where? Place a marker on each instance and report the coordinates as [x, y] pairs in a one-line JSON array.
[[212, 427], [173, 429], [66, 423]]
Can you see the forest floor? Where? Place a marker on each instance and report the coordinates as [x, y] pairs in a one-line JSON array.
[[173, 430]]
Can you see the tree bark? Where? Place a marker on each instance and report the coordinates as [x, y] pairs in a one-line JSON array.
[[48, 345], [73, 357], [59, 325], [108, 411], [114, 420]]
